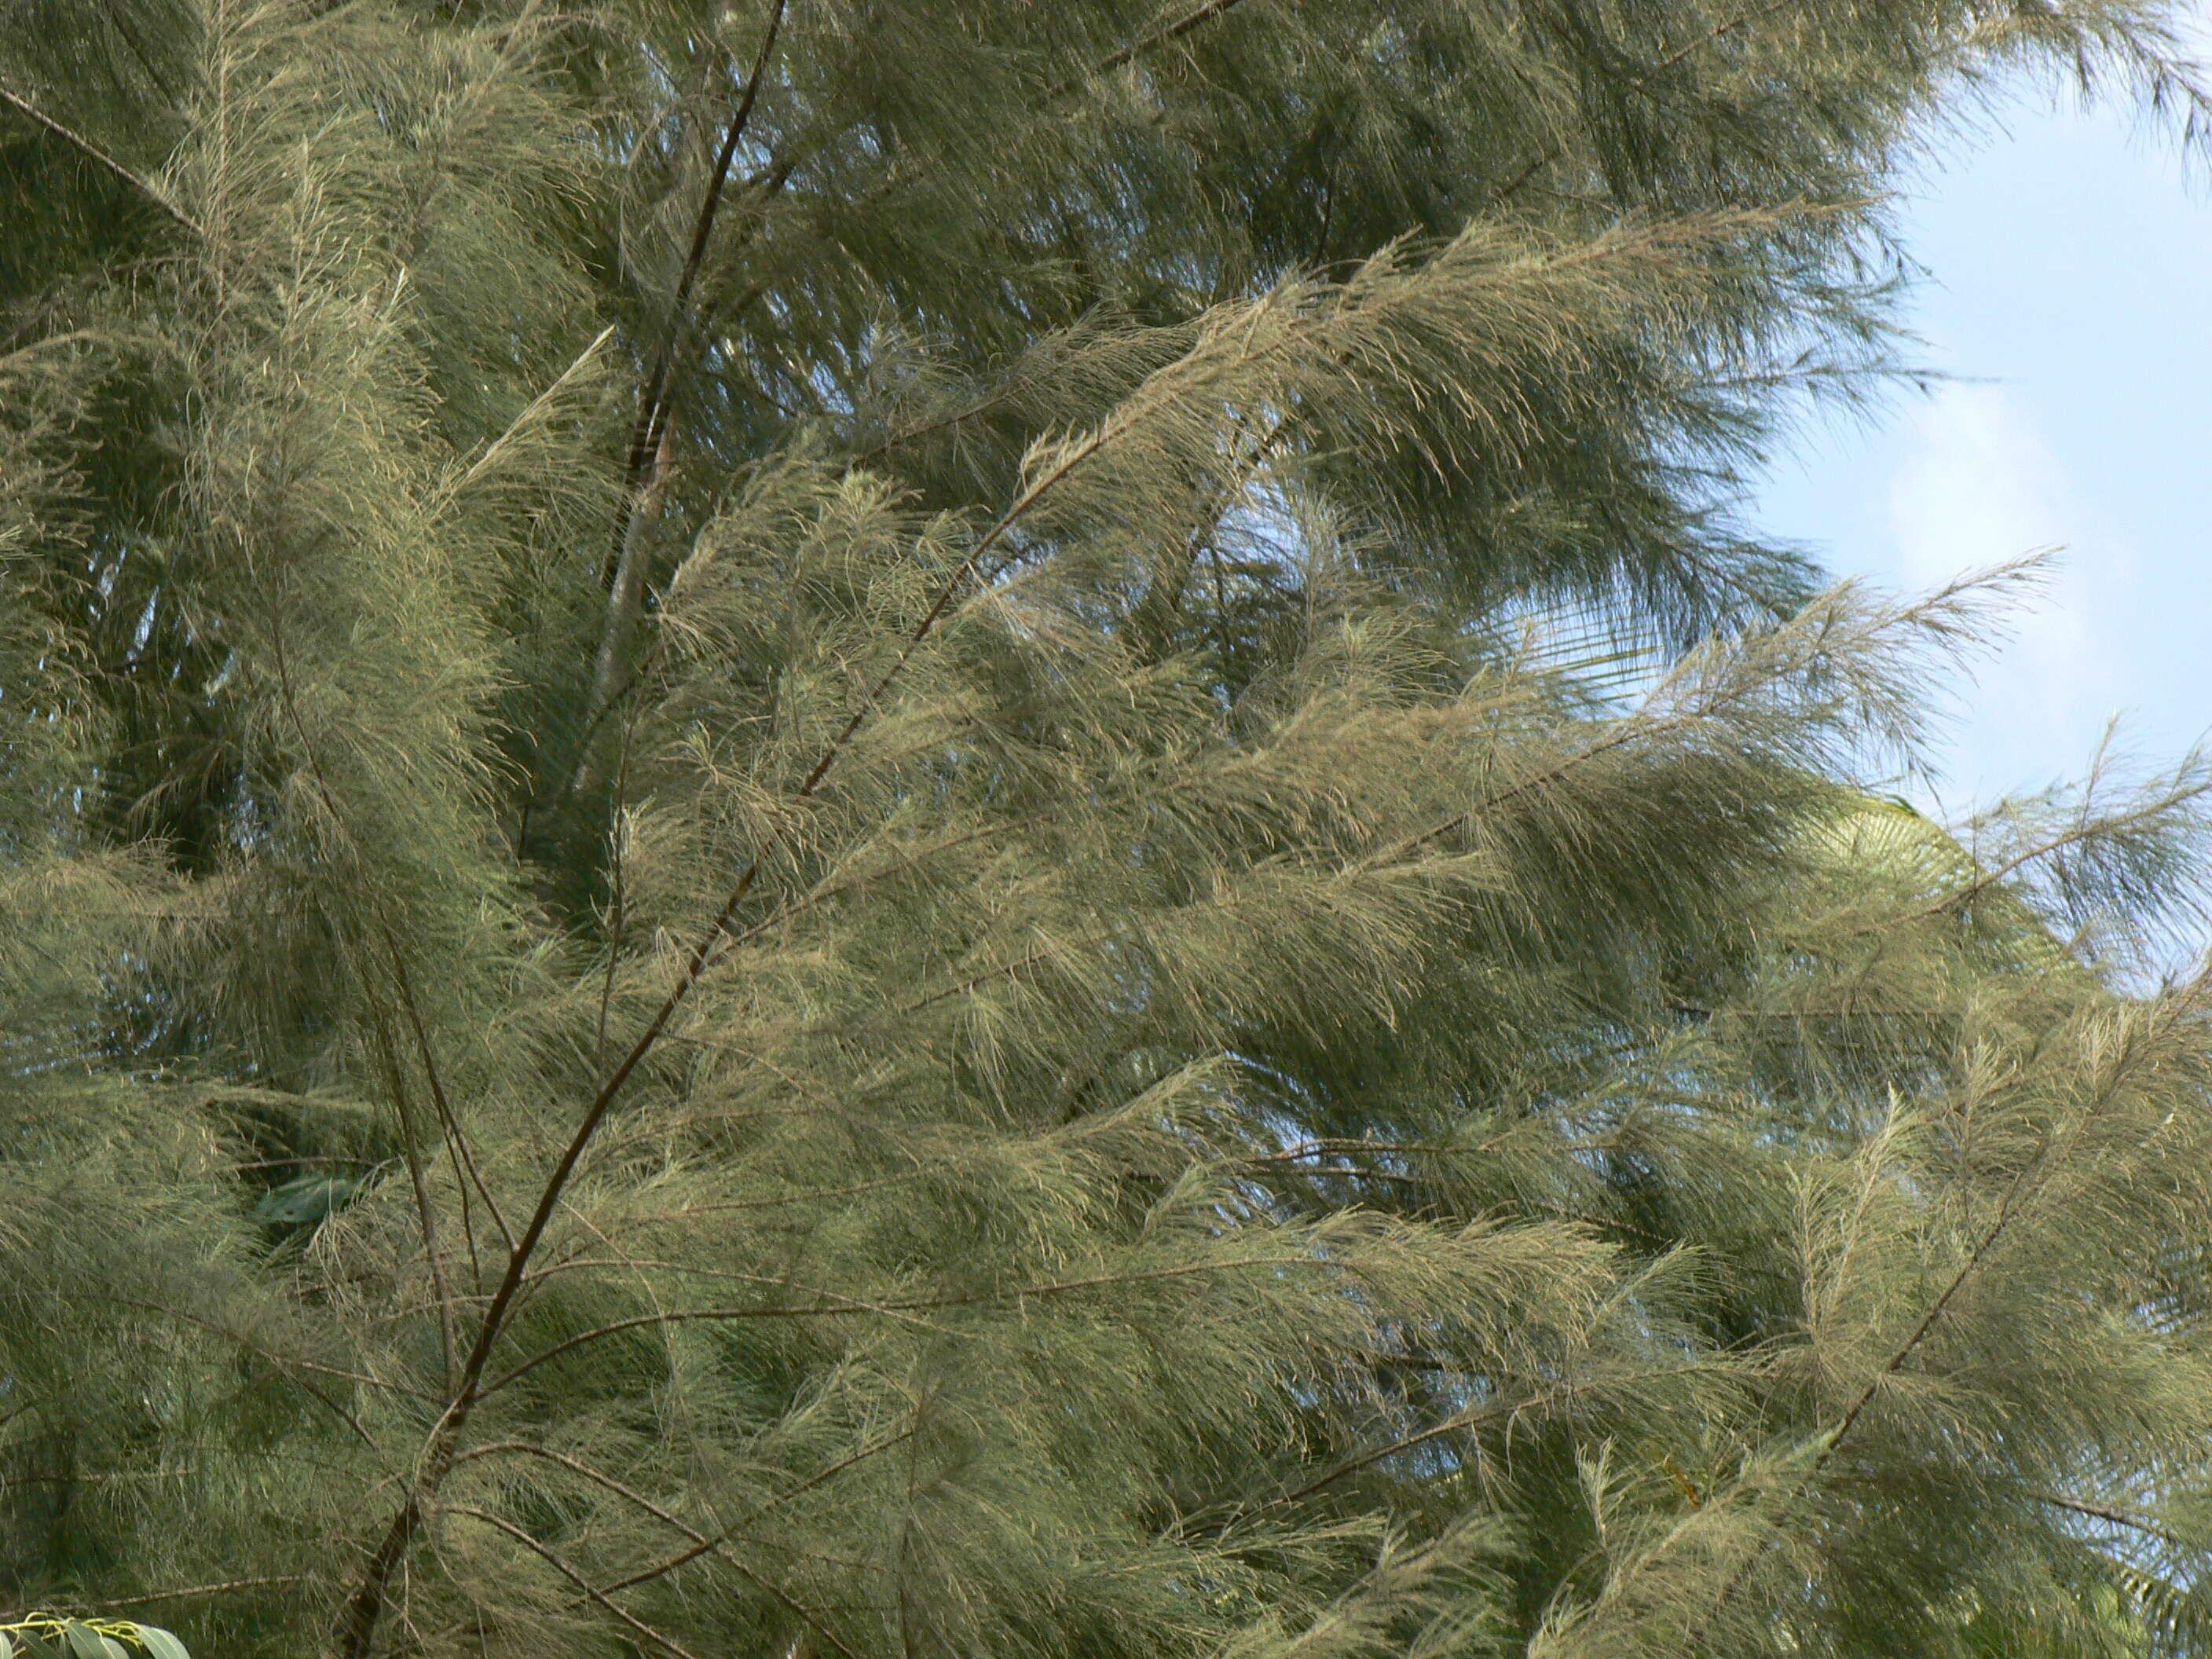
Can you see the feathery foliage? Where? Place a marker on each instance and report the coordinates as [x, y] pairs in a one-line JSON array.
[[970, 828]]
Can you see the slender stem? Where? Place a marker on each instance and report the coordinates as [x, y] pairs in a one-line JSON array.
[[2086, 831], [1732, 26], [2018, 1196], [426, 1213], [2117, 1517]]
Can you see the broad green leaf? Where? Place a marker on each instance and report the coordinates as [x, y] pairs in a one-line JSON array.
[[160, 1643], [86, 1643]]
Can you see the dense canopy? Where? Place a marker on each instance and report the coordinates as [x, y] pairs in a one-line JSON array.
[[972, 827]]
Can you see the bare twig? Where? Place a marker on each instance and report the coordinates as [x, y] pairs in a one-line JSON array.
[[380, 1022], [2088, 830], [531, 412], [1472, 1417], [2017, 1196], [283, 1362], [1734, 25]]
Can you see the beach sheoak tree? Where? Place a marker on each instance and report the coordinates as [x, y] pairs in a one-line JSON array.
[[970, 828]]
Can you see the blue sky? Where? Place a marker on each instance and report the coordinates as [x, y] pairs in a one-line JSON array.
[[2069, 289]]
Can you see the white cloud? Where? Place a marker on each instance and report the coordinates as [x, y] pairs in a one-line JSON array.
[[1977, 488]]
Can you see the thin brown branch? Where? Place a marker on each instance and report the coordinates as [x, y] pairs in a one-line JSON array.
[[707, 1545], [85, 146], [426, 1213], [815, 1195], [666, 1642], [976, 981], [288, 1368], [847, 1306], [457, 1143], [8, 361], [1165, 599], [618, 894], [380, 1022], [1144, 43], [1734, 25], [721, 1551], [2085, 831], [2117, 1517], [842, 1308], [1514, 185], [1298, 1151], [643, 498], [900, 867], [531, 412], [1005, 392], [652, 402], [1865, 1398], [646, 467], [1472, 1417], [2017, 1196], [650, 1264], [1629, 729], [283, 1362], [191, 1591]]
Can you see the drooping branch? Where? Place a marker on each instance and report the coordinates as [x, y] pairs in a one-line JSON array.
[[381, 1021], [1474, 1416], [192, 1592], [290, 1366], [2088, 830], [1732, 26]]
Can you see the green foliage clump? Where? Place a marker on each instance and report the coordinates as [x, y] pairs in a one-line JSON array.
[[971, 829], [47, 1636]]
